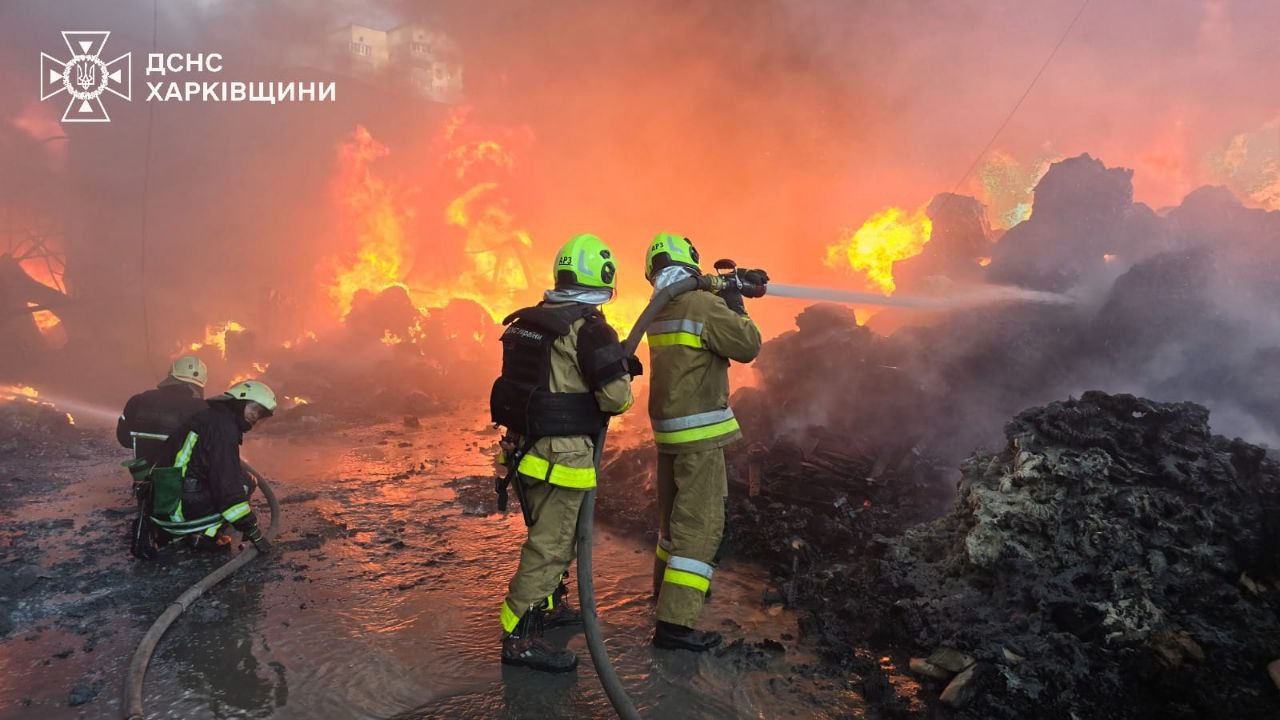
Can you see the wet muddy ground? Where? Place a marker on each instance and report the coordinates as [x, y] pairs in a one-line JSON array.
[[379, 601]]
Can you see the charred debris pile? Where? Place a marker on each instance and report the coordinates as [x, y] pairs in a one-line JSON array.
[[388, 359], [1114, 560], [1116, 557]]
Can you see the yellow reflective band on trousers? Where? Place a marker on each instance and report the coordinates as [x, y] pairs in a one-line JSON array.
[[540, 469], [676, 338], [184, 455], [509, 619], [695, 434], [235, 512], [688, 579], [662, 553]]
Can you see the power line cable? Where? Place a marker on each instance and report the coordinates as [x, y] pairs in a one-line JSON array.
[[1025, 93]]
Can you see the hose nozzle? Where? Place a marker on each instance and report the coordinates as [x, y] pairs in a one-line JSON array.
[[751, 283]]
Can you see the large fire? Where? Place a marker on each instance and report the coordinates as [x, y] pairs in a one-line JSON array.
[[891, 235], [377, 222], [490, 262]]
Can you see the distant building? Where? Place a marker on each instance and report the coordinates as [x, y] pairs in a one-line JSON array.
[[428, 62]]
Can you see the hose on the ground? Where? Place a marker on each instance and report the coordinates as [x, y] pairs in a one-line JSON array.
[[147, 646], [586, 514]]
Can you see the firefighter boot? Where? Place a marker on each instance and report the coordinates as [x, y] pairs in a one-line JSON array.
[[562, 614], [525, 646], [670, 636]]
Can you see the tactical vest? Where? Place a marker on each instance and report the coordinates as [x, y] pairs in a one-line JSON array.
[[521, 399]]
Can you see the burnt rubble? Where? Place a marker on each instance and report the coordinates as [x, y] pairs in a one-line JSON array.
[[389, 358], [1114, 560]]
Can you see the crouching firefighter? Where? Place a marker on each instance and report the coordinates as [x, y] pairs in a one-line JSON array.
[[205, 487], [691, 342], [563, 375], [147, 421]]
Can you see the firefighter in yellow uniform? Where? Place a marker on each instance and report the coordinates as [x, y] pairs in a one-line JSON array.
[[691, 343], [563, 375]]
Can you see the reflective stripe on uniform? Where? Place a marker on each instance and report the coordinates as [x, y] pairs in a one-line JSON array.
[[688, 579], [686, 339], [695, 434], [508, 617], [689, 565], [662, 327], [541, 469], [235, 512], [692, 421], [675, 332], [189, 527], [663, 550], [184, 455]]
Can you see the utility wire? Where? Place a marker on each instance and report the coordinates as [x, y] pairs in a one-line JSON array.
[[1018, 104]]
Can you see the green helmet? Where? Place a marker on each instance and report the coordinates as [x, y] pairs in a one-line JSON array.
[[586, 263], [667, 250]]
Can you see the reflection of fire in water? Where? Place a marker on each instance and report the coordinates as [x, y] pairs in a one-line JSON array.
[[888, 236]]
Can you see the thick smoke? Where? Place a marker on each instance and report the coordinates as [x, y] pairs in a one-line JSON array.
[[1173, 306], [759, 130]]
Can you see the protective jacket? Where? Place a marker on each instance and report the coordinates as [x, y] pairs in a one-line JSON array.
[[160, 412], [563, 375], [205, 453], [690, 345]]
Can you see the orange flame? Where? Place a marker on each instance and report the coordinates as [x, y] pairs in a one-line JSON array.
[[215, 337], [379, 260], [888, 236]]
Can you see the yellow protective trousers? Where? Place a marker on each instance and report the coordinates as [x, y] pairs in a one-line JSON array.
[[546, 552], [691, 492]]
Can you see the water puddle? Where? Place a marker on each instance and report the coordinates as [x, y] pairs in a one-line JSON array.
[[381, 602]]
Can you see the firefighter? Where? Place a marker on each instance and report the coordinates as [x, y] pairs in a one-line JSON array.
[[162, 410], [691, 342], [205, 486], [563, 375]]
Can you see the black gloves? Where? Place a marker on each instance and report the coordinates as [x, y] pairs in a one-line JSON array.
[[259, 540], [757, 281], [634, 367], [732, 297]]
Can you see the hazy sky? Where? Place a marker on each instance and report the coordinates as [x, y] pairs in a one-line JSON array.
[[760, 129]]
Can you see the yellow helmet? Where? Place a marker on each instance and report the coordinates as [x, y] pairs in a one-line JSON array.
[[586, 263], [669, 249], [189, 368], [251, 390]]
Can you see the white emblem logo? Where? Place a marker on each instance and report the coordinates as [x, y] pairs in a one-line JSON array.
[[85, 76]]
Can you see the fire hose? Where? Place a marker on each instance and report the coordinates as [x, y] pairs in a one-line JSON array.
[[618, 697], [147, 646]]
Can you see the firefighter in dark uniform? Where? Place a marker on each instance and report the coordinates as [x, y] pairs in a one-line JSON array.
[[563, 375], [162, 410], [202, 485]]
